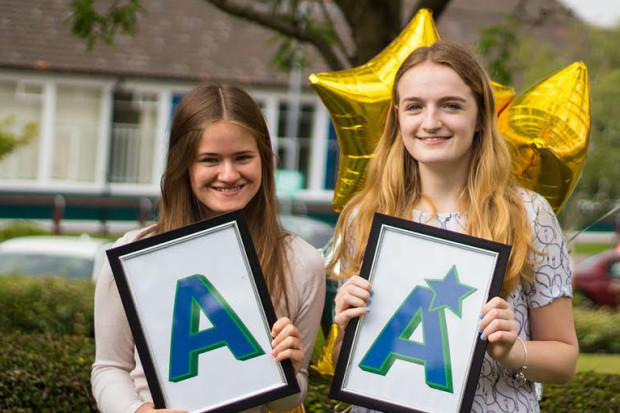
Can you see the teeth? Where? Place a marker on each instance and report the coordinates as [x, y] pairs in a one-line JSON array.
[[228, 189], [434, 138]]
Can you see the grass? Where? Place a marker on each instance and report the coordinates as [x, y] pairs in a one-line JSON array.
[[590, 248], [600, 363]]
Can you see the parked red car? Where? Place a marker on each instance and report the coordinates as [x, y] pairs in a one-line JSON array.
[[598, 278]]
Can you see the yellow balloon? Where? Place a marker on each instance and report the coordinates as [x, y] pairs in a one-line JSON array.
[[357, 100], [547, 130]]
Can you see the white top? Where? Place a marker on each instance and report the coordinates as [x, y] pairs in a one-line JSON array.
[[495, 392], [118, 381]]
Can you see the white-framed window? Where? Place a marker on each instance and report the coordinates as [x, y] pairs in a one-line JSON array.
[[134, 137], [75, 149], [22, 163], [310, 152]]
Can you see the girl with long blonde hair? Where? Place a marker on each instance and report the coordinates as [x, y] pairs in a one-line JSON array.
[[441, 161], [220, 159]]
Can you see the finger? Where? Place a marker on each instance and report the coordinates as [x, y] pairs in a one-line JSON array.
[[359, 281], [358, 291], [279, 325], [502, 336], [496, 314], [288, 343], [495, 302], [500, 325], [342, 318], [294, 355], [350, 300], [288, 331]]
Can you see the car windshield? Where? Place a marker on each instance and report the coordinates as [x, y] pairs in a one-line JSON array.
[[41, 265]]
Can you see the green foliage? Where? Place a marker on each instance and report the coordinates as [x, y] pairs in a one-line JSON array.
[[9, 141], [317, 399], [591, 248], [52, 374], [290, 54], [91, 25], [598, 331], [586, 392], [600, 363], [42, 373], [46, 305], [497, 45], [21, 229]]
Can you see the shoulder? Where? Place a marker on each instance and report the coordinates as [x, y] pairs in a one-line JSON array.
[[536, 205], [301, 253], [131, 236]]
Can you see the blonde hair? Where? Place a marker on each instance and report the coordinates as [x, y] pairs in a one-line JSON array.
[[179, 206], [490, 197]]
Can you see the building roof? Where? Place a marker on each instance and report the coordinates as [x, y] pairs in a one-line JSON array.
[[193, 40]]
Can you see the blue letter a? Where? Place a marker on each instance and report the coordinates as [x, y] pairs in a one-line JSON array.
[[195, 294], [394, 341]]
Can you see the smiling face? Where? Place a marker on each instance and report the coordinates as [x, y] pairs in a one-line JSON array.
[[437, 114], [226, 173]]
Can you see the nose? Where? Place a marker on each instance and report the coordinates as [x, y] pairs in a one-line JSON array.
[[228, 172], [430, 120]]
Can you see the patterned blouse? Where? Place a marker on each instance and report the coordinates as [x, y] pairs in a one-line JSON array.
[[496, 392]]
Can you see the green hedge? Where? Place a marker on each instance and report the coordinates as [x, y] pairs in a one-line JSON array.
[[61, 306], [47, 351], [586, 392], [49, 305], [598, 331], [44, 373], [21, 229]]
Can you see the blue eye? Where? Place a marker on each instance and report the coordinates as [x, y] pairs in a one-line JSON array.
[[413, 107], [244, 158], [209, 160], [453, 106]]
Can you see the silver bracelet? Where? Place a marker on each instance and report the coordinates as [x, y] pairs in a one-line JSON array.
[[518, 376]]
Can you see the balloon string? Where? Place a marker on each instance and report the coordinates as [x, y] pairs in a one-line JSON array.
[[614, 209]]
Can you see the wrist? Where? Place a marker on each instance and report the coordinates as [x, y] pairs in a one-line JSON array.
[[517, 367]]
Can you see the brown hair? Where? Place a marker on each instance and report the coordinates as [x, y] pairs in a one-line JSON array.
[[491, 200], [179, 206]]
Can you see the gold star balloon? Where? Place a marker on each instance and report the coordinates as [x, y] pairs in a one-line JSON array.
[[357, 100], [547, 130]]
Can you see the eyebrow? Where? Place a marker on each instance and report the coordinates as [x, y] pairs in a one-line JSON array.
[[248, 152], [443, 99]]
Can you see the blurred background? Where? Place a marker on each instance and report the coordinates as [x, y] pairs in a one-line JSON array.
[[87, 93]]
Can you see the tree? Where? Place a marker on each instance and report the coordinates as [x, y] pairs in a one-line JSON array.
[[369, 25], [9, 141], [598, 190]]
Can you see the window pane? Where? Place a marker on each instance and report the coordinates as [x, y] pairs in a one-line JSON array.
[[133, 138], [76, 133], [22, 163]]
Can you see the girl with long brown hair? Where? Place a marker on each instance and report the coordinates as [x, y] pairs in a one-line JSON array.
[[220, 159], [441, 161]]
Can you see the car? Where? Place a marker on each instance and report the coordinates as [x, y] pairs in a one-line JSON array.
[[598, 278], [315, 232], [74, 257]]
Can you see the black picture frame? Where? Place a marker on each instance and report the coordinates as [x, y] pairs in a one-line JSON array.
[[156, 252], [396, 245]]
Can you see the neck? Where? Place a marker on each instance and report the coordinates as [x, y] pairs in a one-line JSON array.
[[442, 185]]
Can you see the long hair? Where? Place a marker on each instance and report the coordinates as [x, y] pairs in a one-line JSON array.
[[179, 206], [490, 197]]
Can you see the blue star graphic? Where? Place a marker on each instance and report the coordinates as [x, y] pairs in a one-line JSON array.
[[449, 292]]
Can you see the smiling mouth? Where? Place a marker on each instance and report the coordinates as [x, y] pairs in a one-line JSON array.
[[228, 189], [431, 139]]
